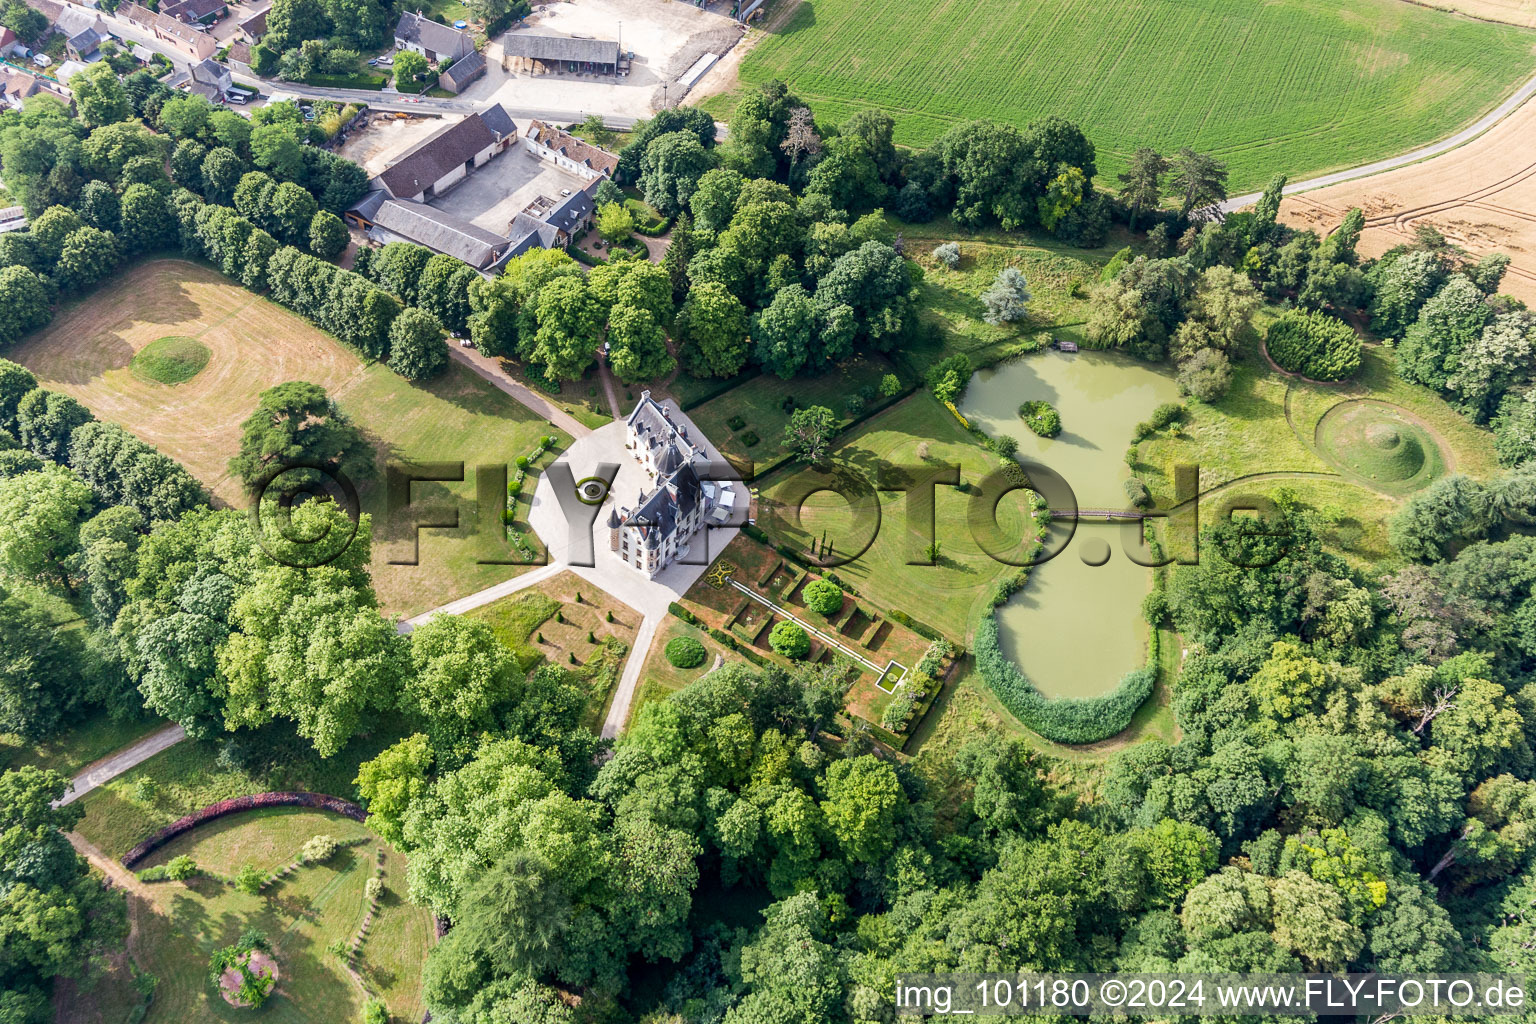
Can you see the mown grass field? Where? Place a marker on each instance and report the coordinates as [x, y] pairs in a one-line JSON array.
[[915, 432], [179, 925], [1299, 86], [254, 344]]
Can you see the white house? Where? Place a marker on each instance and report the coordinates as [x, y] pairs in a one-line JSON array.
[[438, 43]]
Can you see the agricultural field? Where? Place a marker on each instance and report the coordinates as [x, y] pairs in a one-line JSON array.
[[180, 924], [1480, 196], [94, 349], [1301, 86], [1510, 12]]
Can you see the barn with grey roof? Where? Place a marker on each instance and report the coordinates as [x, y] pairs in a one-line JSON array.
[[595, 56]]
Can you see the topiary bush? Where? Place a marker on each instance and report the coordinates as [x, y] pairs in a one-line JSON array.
[[789, 640], [1314, 345], [179, 869], [373, 888], [1042, 418], [685, 652], [948, 254], [248, 880], [823, 597]]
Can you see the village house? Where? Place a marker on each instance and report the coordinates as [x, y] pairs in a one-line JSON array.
[[566, 150], [189, 40], [440, 44]]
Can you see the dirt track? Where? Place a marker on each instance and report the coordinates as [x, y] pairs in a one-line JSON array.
[[1482, 196], [1510, 12]]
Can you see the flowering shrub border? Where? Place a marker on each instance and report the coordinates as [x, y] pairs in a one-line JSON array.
[[235, 805]]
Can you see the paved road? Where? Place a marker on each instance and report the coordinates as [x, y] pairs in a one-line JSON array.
[[486, 596], [1467, 134], [113, 765], [487, 368]]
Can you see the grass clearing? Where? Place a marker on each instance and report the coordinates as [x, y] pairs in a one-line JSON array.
[[762, 407], [88, 350], [170, 360], [181, 924], [1301, 86], [913, 433], [659, 678], [190, 775], [88, 740]]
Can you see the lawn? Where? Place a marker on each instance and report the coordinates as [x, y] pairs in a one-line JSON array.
[[583, 399], [1300, 86], [747, 422], [182, 923], [659, 678], [73, 748], [190, 776], [1268, 423], [564, 618], [916, 432], [253, 344]]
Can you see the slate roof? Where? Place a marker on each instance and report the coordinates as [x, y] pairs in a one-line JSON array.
[[436, 155], [210, 72], [467, 67], [531, 232], [50, 9], [256, 25], [415, 28], [193, 10], [369, 205], [572, 148], [240, 53], [596, 51], [73, 21], [440, 231], [498, 120]]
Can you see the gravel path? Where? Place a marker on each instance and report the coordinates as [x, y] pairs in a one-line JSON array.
[[113, 765]]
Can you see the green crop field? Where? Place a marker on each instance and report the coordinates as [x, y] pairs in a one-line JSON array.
[[1300, 86]]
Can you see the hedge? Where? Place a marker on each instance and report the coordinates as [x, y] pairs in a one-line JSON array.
[[1061, 719], [236, 805], [922, 629], [1315, 345]]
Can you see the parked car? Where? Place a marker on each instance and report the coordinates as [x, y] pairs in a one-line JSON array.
[[236, 97]]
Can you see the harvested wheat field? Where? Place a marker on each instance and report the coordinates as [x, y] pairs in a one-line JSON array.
[[252, 345], [1482, 196], [1510, 12]]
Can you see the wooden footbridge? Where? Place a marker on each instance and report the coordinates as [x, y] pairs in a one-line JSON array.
[[1099, 513]]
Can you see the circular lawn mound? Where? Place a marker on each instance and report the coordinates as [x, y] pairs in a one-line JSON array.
[[174, 359], [1380, 444]]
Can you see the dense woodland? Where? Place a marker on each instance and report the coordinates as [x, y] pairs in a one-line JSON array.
[[1353, 788]]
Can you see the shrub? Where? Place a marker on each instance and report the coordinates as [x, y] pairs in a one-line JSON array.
[[1003, 444], [789, 640], [890, 385], [899, 710], [1063, 720], [1314, 345], [1206, 375], [933, 658], [948, 378], [685, 652], [375, 1013], [248, 880], [318, 850], [1142, 431], [144, 791], [853, 405], [948, 254], [181, 868], [1168, 414], [373, 888], [823, 597], [1154, 607], [735, 422], [1137, 494], [750, 438], [1042, 418]]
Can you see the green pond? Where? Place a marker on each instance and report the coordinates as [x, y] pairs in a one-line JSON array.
[[1076, 628]]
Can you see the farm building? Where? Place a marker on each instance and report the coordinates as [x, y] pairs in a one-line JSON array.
[[438, 43], [444, 158], [560, 53], [566, 150], [465, 70], [397, 220]]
